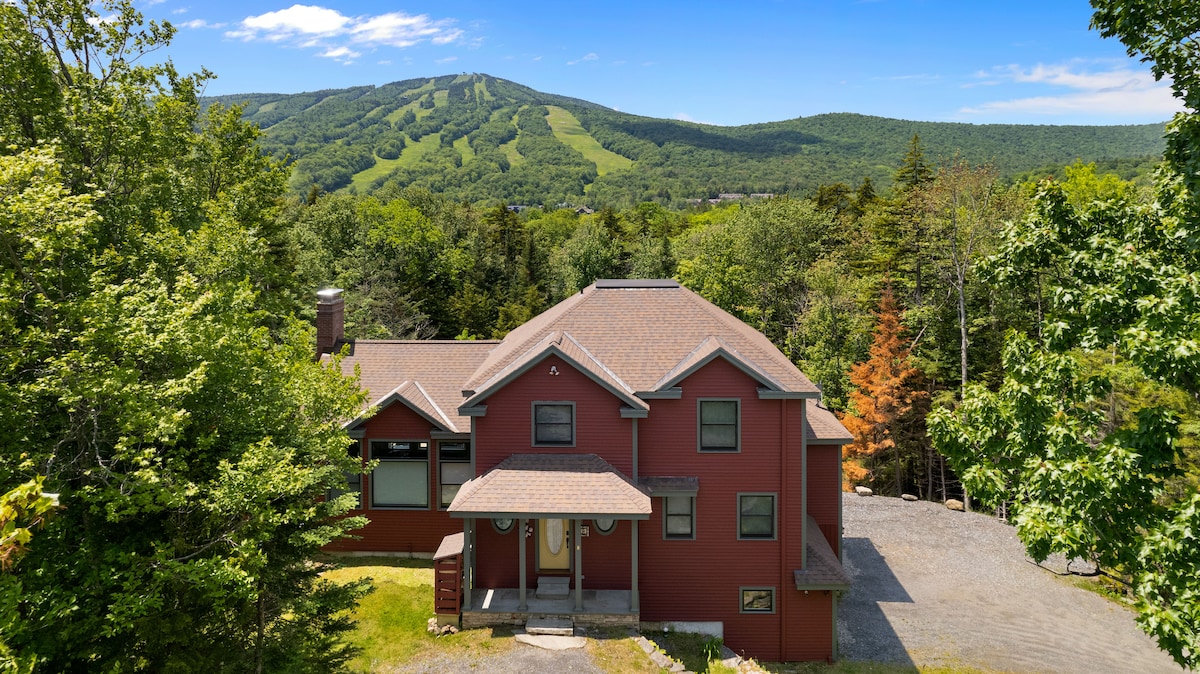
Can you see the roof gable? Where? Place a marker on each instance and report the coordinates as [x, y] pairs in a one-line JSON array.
[[414, 396], [568, 349], [709, 349], [641, 331]]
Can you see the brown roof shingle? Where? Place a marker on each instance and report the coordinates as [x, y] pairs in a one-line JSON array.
[[641, 332], [824, 568], [563, 485]]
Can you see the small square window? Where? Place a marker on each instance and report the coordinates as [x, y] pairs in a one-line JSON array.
[[756, 516], [554, 424], [679, 517], [758, 600], [718, 425]]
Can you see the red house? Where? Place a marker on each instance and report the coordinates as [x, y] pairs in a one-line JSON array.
[[633, 454]]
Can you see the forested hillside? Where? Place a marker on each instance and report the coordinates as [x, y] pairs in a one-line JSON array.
[[482, 139]]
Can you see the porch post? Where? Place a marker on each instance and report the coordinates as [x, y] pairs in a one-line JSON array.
[[576, 524], [633, 568], [521, 605], [468, 560]]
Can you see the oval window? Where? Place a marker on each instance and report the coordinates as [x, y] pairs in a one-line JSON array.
[[503, 525], [605, 525]]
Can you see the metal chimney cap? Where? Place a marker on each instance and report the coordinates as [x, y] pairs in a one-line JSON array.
[[329, 295]]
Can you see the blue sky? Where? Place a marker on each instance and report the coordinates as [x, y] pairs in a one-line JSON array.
[[982, 61]]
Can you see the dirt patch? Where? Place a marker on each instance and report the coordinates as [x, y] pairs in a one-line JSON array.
[[942, 588]]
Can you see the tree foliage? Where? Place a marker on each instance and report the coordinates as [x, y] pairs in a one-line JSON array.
[[886, 386], [1123, 277], [152, 371]]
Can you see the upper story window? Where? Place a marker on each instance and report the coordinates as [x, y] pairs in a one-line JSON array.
[[401, 480], [454, 468], [554, 424], [718, 422]]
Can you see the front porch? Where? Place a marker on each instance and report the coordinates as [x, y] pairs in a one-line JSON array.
[[502, 606]]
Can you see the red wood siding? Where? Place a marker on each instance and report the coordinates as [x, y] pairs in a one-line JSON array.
[[809, 625], [507, 428], [825, 490], [401, 530], [701, 579]]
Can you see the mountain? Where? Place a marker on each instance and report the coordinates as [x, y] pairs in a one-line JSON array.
[[482, 139]]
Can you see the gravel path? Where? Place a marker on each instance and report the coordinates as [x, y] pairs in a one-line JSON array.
[[520, 659], [938, 587]]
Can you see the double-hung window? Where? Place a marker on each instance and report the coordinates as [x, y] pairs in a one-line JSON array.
[[718, 425], [756, 516], [679, 517], [554, 424], [401, 479], [454, 468]]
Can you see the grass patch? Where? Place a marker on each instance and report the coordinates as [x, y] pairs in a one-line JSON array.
[[616, 651], [692, 650], [464, 149], [568, 131], [412, 153]]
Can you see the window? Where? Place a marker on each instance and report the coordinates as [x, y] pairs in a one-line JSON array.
[[679, 519], [554, 424], [503, 525], [454, 468], [756, 516], [758, 600], [401, 480], [353, 479], [718, 421], [605, 526]]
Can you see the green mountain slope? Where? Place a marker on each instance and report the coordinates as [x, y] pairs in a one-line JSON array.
[[482, 139]]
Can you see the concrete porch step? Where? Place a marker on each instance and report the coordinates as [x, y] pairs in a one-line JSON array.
[[553, 626], [549, 587]]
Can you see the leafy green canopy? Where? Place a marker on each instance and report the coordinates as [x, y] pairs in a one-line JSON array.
[[1125, 276], [151, 370]]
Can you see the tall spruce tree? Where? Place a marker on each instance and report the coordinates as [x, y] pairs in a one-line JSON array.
[[884, 394]]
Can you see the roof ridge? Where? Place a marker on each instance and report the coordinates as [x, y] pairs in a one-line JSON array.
[[598, 362]]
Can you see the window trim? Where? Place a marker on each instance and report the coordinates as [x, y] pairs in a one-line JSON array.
[[755, 588], [601, 531], [677, 537], [426, 461], [441, 474], [774, 516], [533, 423], [737, 428]]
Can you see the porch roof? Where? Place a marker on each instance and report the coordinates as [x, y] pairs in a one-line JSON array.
[[568, 486], [824, 570]]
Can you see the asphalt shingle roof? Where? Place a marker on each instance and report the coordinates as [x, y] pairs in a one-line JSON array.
[[567, 485]]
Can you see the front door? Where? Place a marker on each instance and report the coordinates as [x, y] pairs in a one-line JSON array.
[[554, 554]]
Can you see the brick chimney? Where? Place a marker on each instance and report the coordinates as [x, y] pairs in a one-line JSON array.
[[331, 324]]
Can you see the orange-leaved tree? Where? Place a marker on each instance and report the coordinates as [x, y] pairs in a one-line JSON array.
[[885, 389]]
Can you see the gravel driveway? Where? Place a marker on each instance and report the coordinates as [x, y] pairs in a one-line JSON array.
[[938, 587]]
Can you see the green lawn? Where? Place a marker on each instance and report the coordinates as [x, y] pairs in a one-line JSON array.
[[392, 622], [409, 156], [568, 130]]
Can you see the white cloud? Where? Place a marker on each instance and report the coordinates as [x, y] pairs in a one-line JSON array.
[[448, 59], [1112, 89], [340, 54], [313, 26], [591, 56], [200, 23]]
